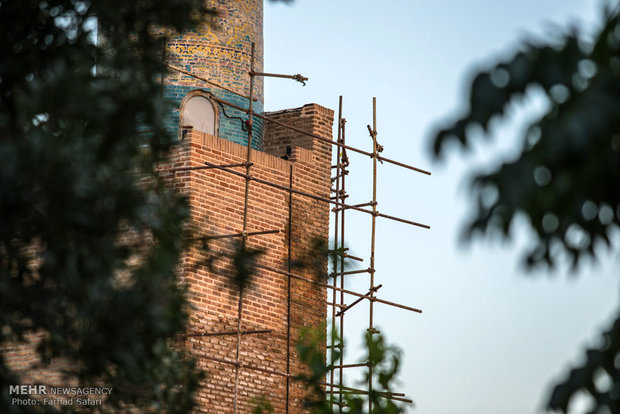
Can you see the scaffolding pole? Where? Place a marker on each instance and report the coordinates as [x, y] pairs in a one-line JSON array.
[[339, 289], [288, 288], [371, 323], [319, 198], [344, 162], [338, 273], [339, 174], [320, 138]]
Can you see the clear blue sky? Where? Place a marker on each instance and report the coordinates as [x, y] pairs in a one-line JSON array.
[[492, 338]]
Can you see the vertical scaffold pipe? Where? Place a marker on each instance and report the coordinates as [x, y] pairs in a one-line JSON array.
[[371, 328], [245, 224], [288, 291], [344, 162]]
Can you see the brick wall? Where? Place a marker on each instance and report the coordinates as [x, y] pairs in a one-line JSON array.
[[216, 199], [22, 358]]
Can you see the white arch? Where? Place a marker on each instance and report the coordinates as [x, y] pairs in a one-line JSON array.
[[198, 111]]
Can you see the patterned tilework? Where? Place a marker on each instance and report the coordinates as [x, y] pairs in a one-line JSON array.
[[221, 53], [225, 65], [229, 128]]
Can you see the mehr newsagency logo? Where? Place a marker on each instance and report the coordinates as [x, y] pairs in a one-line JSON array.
[[40, 394]]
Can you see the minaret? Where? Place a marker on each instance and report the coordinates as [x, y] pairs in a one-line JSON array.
[[245, 340], [221, 53]]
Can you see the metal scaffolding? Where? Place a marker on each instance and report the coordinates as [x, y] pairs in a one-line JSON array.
[[334, 384]]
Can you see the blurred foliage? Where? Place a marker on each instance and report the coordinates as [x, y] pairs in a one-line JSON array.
[[565, 179], [318, 258], [309, 349], [598, 376], [261, 405], [237, 262], [384, 359], [315, 258], [244, 264], [89, 236]]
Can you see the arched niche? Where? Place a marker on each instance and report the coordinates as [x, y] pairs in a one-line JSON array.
[[198, 112]]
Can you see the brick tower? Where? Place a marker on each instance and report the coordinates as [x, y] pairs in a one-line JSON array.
[[281, 223]]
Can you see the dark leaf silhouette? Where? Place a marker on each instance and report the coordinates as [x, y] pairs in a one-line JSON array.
[[565, 178], [89, 235]]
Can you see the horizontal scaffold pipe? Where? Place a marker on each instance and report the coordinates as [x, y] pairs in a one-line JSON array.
[[204, 167], [252, 233], [358, 300], [348, 292], [394, 396], [240, 365], [389, 395], [226, 333], [315, 197], [210, 82], [310, 134]]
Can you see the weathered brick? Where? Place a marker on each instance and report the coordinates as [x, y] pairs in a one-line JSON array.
[[217, 199]]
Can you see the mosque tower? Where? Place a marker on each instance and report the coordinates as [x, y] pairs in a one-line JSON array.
[[220, 52], [260, 363]]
